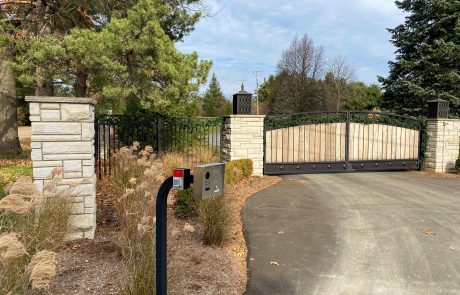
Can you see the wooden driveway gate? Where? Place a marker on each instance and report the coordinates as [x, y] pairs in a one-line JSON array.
[[319, 142]]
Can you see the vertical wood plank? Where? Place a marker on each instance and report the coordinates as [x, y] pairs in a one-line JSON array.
[[312, 143], [333, 141], [389, 153], [295, 143], [365, 142], [302, 143], [268, 146], [398, 143], [384, 141], [317, 149], [351, 143]]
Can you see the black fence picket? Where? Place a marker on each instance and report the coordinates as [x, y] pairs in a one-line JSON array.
[[191, 137]]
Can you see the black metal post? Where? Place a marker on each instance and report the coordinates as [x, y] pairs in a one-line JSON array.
[[347, 142], [161, 247], [158, 135], [421, 140], [96, 145]]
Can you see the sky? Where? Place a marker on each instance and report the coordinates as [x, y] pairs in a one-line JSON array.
[[243, 36]]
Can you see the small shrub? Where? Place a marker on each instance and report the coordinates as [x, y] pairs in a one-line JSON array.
[[185, 205], [216, 220], [237, 170]]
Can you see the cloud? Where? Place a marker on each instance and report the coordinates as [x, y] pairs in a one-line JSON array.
[[248, 35]]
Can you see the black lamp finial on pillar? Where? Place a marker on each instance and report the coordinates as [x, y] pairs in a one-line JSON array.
[[242, 102], [438, 109]]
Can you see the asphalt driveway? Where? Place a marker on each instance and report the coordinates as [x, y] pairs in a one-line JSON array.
[[357, 233]]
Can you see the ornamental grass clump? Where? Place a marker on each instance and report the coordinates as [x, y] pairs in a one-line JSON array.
[[137, 177], [216, 219], [185, 205], [33, 225], [41, 269]]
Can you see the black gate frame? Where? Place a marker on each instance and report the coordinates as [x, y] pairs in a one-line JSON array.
[[347, 165]]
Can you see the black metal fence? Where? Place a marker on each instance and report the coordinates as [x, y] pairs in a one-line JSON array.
[[191, 137]]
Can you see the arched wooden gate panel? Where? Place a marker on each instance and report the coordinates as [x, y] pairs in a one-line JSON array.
[[341, 142]]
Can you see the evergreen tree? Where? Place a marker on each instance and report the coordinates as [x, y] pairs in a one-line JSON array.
[[427, 62], [214, 102], [361, 97]]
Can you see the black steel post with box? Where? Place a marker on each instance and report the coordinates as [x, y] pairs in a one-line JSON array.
[[208, 182]]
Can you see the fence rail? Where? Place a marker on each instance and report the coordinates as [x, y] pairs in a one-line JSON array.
[[191, 137]]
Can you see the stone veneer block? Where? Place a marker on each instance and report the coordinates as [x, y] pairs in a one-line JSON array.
[[34, 108], [42, 128], [443, 144], [63, 137], [242, 137], [75, 113], [50, 115]]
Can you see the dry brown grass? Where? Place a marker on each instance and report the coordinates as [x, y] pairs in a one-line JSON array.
[[25, 144], [11, 247], [41, 269], [216, 220], [31, 224], [140, 174], [172, 161]]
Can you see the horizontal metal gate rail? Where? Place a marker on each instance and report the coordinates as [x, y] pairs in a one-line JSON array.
[[319, 142], [191, 137]]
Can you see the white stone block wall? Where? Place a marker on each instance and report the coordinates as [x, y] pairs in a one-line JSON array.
[[63, 137], [443, 144], [243, 138]]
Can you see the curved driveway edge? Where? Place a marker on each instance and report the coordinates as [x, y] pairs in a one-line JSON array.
[[357, 233]]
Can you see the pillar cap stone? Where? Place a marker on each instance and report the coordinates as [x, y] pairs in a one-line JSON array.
[[57, 99]]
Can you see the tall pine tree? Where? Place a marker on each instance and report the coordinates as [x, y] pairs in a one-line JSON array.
[[427, 62], [214, 103]]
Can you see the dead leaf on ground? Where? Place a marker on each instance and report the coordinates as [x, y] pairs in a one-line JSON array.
[[430, 232], [281, 232]]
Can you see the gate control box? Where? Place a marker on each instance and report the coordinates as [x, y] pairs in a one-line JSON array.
[[182, 179], [208, 181]]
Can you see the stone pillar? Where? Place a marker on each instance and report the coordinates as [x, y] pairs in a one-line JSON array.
[[63, 137], [443, 144], [243, 138]]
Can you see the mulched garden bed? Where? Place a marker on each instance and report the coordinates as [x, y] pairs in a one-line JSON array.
[[95, 267]]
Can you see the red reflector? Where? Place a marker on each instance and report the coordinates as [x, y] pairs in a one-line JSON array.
[[178, 173]]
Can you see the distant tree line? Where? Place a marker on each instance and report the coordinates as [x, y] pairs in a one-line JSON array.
[[306, 81]]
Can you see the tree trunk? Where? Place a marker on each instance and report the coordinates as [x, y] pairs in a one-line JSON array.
[[44, 87], [9, 140], [80, 85], [338, 96]]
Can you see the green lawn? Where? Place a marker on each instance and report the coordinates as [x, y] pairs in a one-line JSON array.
[[11, 173]]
